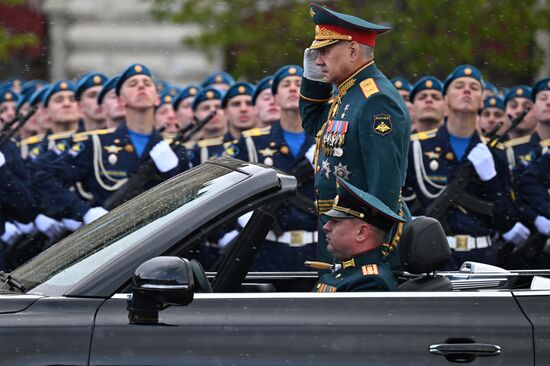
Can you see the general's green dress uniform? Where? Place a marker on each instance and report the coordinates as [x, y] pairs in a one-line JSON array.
[[362, 131], [369, 270]]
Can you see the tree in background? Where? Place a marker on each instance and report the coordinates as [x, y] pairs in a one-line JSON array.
[[427, 37], [9, 42]]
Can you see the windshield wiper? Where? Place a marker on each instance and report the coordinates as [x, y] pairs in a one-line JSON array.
[[14, 284]]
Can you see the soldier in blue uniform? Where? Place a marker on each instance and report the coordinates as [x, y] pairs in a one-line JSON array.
[[105, 159], [86, 92], [183, 104], [8, 103], [426, 97], [363, 131], [492, 113], [437, 155], [33, 146], [165, 116], [108, 101], [238, 109], [357, 226], [404, 88], [219, 80], [284, 145], [267, 110]]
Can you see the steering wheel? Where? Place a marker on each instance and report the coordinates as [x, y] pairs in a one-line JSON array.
[[201, 281]]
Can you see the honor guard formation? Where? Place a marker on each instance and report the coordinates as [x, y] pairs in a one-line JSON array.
[[369, 155]]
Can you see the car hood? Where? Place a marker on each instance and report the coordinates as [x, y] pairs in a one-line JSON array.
[[12, 303]]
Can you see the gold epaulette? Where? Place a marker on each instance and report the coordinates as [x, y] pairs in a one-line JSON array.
[[424, 135], [259, 131], [517, 141], [60, 135], [211, 142], [83, 136], [33, 139], [168, 136]]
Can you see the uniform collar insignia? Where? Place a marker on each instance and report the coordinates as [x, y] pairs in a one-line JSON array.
[[348, 264]]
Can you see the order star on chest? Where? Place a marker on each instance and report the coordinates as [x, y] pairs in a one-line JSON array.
[[267, 152]]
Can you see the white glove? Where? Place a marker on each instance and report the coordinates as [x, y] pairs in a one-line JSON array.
[[311, 70], [93, 214], [543, 225], [164, 157], [11, 233], [518, 234], [71, 225], [310, 154], [2, 159], [483, 162], [28, 229], [48, 226]]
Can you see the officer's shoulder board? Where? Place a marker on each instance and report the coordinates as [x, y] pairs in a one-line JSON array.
[[60, 135], [517, 141], [370, 269], [424, 135], [83, 136], [369, 87], [259, 131], [168, 136], [499, 146], [32, 140], [210, 142]]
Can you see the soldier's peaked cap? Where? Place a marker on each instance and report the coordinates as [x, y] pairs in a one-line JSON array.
[[351, 202], [332, 26]]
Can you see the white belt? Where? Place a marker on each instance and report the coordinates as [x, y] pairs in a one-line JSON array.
[[464, 243], [294, 238]]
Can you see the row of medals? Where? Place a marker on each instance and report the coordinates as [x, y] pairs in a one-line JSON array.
[[332, 143]]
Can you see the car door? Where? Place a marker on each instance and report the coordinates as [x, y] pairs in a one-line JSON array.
[[319, 329]]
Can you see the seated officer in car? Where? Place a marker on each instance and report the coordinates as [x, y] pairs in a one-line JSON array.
[[357, 226]]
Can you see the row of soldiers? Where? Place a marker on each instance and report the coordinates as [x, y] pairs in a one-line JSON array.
[[83, 141]]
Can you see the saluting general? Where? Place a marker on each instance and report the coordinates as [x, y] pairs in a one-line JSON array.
[[363, 129]]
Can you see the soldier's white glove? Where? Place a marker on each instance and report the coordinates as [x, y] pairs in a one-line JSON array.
[[483, 162], [164, 157], [543, 225], [11, 233], [310, 154], [71, 225], [93, 214], [27, 229], [2, 159], [517, 234], [48, 226], [311, 70]]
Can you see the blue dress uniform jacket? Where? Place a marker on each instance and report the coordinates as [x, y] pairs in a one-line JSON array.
[[362, 136], [103, 160], [268, 146], [365, 272], [518, 150], [212, 148], [432, 164], [17, 200]]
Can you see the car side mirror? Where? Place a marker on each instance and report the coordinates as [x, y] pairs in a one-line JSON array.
[[158, 283]]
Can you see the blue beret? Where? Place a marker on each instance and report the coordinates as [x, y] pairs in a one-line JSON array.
[[283, 72], [14, 83], [132, 70], [491, 87], [543, 84], [463, 71], [58, 86], [333, 27], [425, 83], [38, 95], [107, 87], [239, 88], [218, 77], [87, 81], [264, 84], [8, 95], [23, 98], [494, 102], [401, 83], [353, 202], [518, 91], [166, 97], [161, 85], [208, 93], [189, 91], [31, 86]]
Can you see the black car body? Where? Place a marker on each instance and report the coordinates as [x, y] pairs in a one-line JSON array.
[[101, 296]]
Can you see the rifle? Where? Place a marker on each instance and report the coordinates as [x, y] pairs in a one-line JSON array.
[[147, 171], [454, 192], [8, 132]]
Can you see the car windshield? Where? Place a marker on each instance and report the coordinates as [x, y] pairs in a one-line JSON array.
[[88, 249]]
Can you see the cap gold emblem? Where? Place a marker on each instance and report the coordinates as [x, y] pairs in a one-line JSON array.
[[168, 99], [209, 94], [467, 71], [292, 71], [138, 68], [398, 84], [7, 96], [492, 101], [519, 92], [97, 79], [192, 91], [219, 79], [242, 89], [63, 85], [429, 84]]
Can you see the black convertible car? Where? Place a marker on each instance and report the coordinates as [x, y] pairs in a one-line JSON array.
[[122, 291]]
